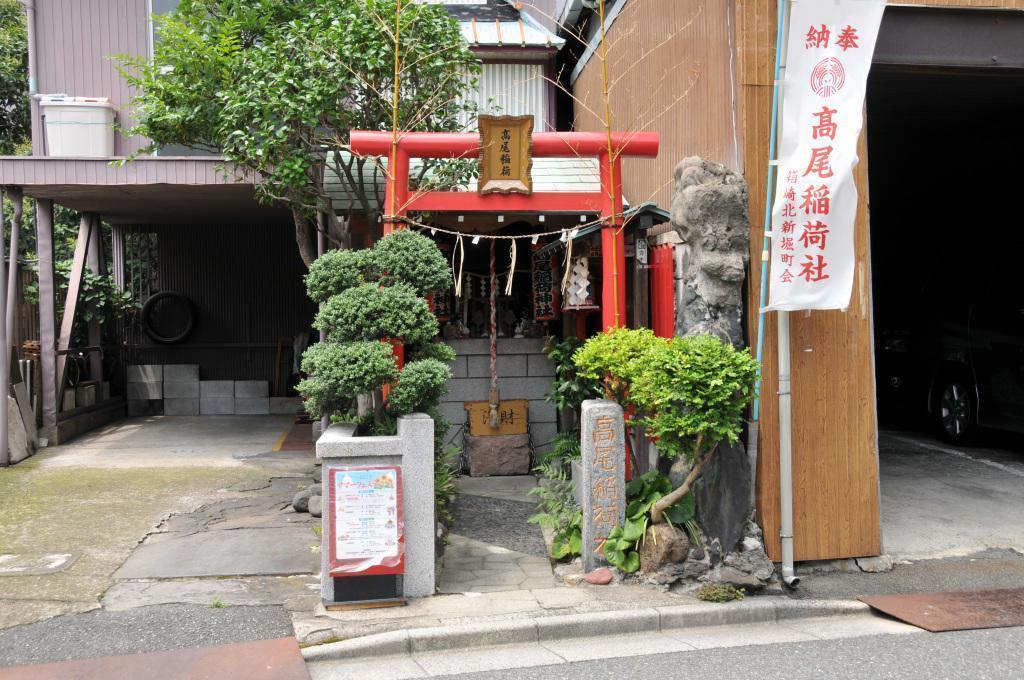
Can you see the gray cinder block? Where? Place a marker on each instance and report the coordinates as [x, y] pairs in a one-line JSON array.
[[181, 390], [248, 389], [216, 388], [252, 406], [145, 373], [181, 372], [145, 407], [285, 405], [144, 390], [85, 395], [217, 406], [181, 407]]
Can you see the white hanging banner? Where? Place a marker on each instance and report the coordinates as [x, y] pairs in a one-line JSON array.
[[828, 57]]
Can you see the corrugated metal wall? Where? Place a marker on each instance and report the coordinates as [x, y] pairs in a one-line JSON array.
[[246, 286], [76, 42], [515, 90], [669, 64]]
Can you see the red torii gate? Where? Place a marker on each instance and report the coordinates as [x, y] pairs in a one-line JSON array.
[[607, 202]]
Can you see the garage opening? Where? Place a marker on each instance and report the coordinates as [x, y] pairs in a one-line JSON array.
[[945, 186]]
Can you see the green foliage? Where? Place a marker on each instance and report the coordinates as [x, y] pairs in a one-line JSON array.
[[14, 101], [340, 371], [720, 592], [613, 359], [559, 512], [621, 548], [568, 389], [372, 312], [273, 83], [334, 272], [411, 258], [693, 393], [431, 350], [420, 386], [445, 466]]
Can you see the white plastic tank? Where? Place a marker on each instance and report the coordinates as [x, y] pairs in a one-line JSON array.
[[80, 127]]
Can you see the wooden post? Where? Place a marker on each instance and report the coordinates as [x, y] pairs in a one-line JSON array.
[[85, 228], [94, 260], [47, 317], [16, 197]]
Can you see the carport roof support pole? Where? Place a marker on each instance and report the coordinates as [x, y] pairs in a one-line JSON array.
[[5, 365], [47, 316], [785, 452]]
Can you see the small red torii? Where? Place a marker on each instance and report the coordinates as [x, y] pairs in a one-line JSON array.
[[607, 202]]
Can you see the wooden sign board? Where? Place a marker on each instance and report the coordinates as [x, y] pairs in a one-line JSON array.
[[513, 417], [505, 160]]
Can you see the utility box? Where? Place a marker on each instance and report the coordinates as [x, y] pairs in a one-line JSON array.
[[78, 127]]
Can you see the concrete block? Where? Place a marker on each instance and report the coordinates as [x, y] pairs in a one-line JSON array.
[[249, 389], [142, 390], [539, 365], [484, 634], [181, 407], [216, 388], [145, 373], [509, 366], [285, 406], [85, 396], [181, 372], [181, 390], [412, 448], [542, 411], [454, 412], [145, 407], [541, 434], [598, 623], [458, 367], [470, 389], [525, 388], [217, 406], [252, 406]]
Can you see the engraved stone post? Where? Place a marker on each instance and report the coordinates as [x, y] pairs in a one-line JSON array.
[[603, 445]]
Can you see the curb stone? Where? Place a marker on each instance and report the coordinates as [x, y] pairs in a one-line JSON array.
[[548, 628]]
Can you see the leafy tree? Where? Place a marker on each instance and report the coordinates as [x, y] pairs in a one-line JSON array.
[[277, 85], [14, 101]]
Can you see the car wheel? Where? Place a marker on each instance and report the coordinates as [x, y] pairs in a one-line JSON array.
[[955, 411]]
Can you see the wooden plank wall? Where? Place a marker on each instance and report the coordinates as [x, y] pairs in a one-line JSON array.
[[836, 493]]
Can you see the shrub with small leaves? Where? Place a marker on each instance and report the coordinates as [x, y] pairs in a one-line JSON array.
[[372, 312], [407, 257], [334, 272], [431, 350], [420, 386], [720, 592], [341, 371], [613, 358]]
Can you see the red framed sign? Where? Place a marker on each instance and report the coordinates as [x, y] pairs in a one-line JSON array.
[[366, 525], [546, 298]]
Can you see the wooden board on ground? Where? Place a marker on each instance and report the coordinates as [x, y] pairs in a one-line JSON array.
[[513, 417], [940, 612]]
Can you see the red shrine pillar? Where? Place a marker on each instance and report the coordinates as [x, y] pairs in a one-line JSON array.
[[396, 191], [663, 294], [613, 245]]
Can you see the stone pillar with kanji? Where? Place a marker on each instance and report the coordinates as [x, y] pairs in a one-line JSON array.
[[603, 488]]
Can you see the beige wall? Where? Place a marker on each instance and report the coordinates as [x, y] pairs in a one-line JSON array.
[[669, 62]]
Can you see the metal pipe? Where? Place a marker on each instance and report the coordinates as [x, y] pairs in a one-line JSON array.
[[5, 452], [47, 317], [789, 577], [12, 260], [321, 248]]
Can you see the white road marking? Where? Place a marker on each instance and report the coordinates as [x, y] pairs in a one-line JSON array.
[[958, 454]]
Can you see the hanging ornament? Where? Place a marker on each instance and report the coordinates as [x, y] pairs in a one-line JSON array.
[[578, 292]]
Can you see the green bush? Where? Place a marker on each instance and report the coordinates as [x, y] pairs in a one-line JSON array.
[[339, 372], [622, 547], [334, 272], [568, 389], [558, 511], [431, 350], [613, 358], [420, 386], [372, 312], [407, 257]]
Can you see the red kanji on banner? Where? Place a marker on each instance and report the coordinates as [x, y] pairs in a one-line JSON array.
[[825, 126], [789, 210], [814, 234], [819, 163], [816, 201], [787, 259], [792, 177], [787, 243], [817, 37], [848, 38], [813, 269], [790, 194], [788, 226], [787, 276]]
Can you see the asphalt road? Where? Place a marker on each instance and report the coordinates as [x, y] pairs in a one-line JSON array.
[[996, 654]]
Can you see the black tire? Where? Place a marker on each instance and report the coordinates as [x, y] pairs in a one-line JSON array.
[[956, 410], [167, 317]]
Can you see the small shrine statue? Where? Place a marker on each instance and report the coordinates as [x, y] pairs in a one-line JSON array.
[[520, 327]]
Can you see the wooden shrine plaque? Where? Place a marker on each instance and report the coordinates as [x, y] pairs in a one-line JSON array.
[[505, 160], [513, 417]]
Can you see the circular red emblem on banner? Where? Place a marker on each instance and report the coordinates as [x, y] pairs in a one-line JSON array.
[[828, 77]]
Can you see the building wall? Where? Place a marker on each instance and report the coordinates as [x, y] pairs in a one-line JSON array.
[[669, 65], [76, 41], [245, 283]]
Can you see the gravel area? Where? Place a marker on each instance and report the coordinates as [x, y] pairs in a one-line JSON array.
[[499, 522], [144, 629]]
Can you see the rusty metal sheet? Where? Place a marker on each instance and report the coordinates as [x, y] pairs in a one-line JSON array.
[[264, 660], [939, 612]]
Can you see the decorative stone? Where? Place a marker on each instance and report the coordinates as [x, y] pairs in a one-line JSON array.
[[316, 506], [875, 565], [723, 495], [662, 545], [601, 576], [679, 471], [316, 489], [694, 569], [603, 487], [753, 562], [300, 502], [498, 455], [739, 579]]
